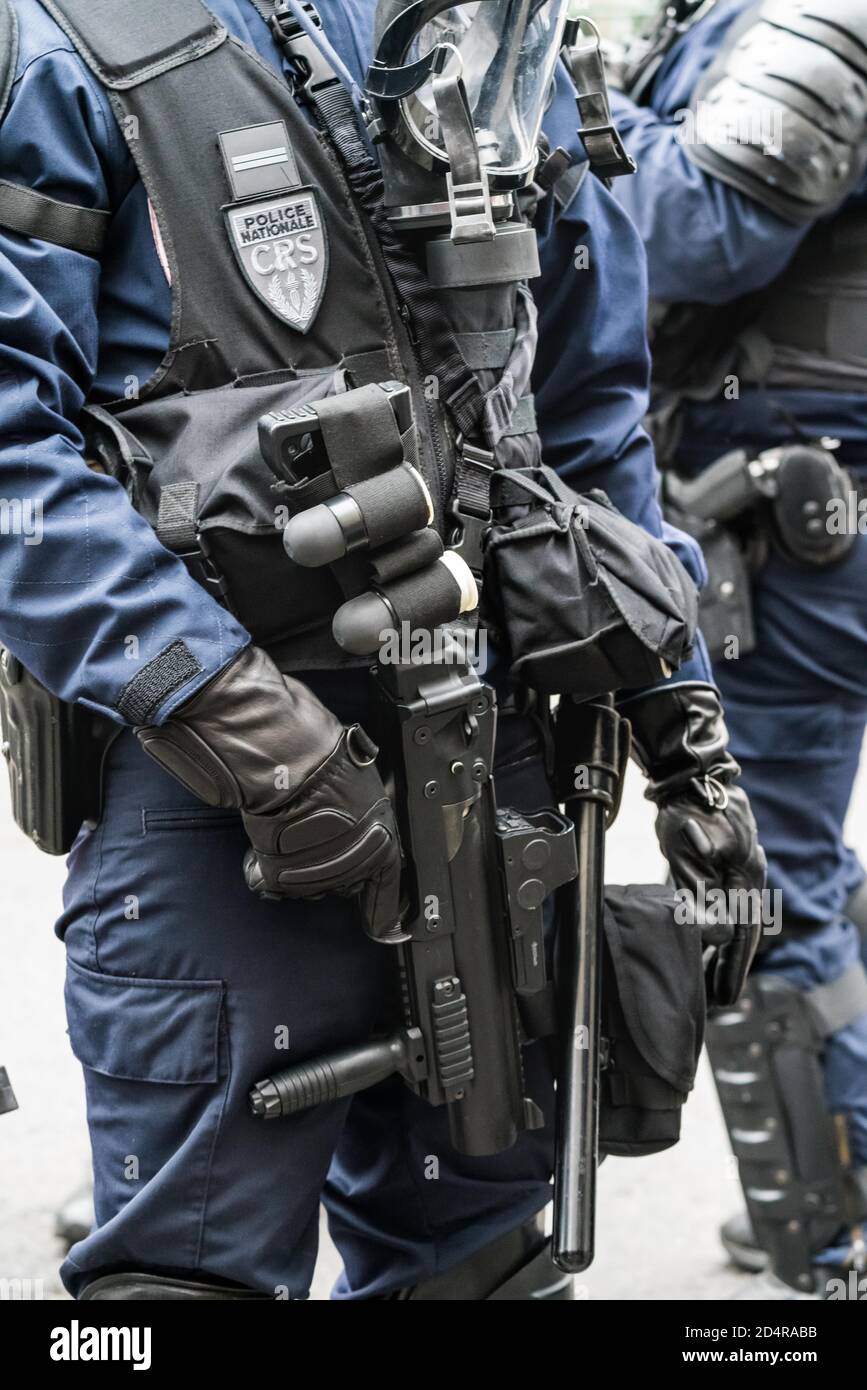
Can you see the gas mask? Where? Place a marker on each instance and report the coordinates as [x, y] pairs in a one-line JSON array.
[[459, 92]]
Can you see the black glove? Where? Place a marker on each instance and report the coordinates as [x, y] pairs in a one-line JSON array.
[[704, 823], [311, 799]]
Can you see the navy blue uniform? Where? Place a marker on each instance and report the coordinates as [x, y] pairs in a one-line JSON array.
[[180, 983], [796, 707]]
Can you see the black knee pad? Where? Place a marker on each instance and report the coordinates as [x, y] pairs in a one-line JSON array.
[[766, 1059]]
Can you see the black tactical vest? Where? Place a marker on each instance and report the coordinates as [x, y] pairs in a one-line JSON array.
[[287, 287]]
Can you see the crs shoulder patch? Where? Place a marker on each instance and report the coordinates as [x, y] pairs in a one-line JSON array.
[[280, 241]]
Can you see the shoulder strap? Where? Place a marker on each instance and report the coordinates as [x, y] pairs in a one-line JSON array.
[[126, 42], [8, 52], [24, 210]]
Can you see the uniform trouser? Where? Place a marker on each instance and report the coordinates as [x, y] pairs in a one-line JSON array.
[[796, 709], [183, 989]]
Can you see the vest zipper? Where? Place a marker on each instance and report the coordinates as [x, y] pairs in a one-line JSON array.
[[434, 421]]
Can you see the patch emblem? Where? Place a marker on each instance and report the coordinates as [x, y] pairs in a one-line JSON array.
[[282, 247]]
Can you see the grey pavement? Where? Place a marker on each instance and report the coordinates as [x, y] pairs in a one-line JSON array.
[[658, 1217]]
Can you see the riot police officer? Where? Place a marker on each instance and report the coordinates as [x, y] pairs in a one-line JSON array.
[[193, 237], [749, 121]]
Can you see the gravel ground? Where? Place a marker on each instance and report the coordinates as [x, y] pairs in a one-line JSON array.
[[658, 1217]]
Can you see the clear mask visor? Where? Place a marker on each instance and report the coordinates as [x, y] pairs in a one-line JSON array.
[[506, 52]]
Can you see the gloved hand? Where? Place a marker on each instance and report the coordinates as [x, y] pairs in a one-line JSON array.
[[311, 799], [704, 822]]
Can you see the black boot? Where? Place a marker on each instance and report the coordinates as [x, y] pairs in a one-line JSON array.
[[128, 1287], [516, 1267]]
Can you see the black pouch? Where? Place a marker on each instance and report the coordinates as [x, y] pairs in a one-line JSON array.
[[585, 601], [54, 754], [653, 1017]]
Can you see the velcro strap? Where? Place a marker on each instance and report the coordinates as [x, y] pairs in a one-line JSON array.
[[170, 669], [483, 351], [360, 434], [523, 419], [125, 42], [838, 1004], [176, 524], [29, 213]]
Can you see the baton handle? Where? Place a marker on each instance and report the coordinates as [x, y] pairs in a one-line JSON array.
[[580, 967]]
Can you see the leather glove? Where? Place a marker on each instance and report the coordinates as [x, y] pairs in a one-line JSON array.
[[704, 822], [311, 799]]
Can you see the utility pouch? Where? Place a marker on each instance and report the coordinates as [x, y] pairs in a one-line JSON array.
[[54, 754], [585, 601], [653, 1018]]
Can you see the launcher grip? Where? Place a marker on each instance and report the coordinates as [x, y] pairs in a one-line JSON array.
[[337, 1075]]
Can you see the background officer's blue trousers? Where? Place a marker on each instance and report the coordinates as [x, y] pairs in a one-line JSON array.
[[183, 989], [796, 709]]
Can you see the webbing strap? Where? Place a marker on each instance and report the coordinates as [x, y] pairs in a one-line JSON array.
[[838, 1004], [29, 213], [568, 184], [459, 388], [460, 391], [177, 524], [125, 42]]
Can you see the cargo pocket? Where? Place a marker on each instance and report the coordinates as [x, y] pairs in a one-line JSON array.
[[156, 1073], [653, 1017], [145, 1030], [795, 733]]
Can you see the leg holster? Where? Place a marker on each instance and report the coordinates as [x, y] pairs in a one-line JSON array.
[[54, 754], [766, 1059], [514, 1268]]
